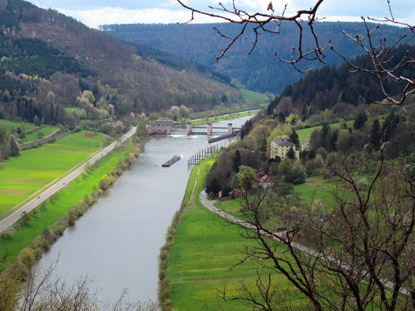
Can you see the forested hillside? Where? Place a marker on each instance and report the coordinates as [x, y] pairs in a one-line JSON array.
[[260, 71], [339, 92], [49, 62]]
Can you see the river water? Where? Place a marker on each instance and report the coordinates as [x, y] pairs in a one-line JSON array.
[[117, 242]]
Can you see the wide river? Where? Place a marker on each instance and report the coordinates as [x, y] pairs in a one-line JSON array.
[[117, 242]]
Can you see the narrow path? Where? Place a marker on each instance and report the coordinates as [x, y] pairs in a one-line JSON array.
[[14, 217], [192, 197], [279, 236]]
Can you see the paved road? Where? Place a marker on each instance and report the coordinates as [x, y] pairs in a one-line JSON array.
[[10, 220]]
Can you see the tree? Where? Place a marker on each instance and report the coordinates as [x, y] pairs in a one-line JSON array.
[[5, 152], [14, 146], [291, 153], [213, 186], [271, 22], [360, 121], [41, 292], [389, 126], [375, 135], [294, 138], [236, 161], [3, 134], [246, 177], [358, 257]]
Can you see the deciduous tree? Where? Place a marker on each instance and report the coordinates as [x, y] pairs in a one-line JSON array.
[[14, 145]]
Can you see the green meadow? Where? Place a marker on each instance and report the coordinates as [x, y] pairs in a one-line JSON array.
[[306, 132], [39, 133], [226, 117], [57, 208], [13, 124], [252, 96], [316, 188], [23, 175], [205, 249]]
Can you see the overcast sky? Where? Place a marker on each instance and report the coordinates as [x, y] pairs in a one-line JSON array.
[[98, 12]]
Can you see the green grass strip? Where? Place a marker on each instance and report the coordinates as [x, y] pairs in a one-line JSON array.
[[226, 117], [306, 132], [204, 250], [22, 176], [45, 217]]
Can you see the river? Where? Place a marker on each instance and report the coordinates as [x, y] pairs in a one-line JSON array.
[[117, 242]]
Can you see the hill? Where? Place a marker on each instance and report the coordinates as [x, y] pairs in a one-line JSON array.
[[338, 91], [260, 71], [49, 61]]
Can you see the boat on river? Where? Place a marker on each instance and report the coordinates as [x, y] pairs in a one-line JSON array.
[[171, 161]]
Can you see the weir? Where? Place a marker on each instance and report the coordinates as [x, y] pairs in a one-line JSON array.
[[210, 130]]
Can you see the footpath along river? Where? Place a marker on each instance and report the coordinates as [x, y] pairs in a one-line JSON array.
[[117, 242]]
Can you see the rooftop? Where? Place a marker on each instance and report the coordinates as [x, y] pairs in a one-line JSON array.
[[283, 142]]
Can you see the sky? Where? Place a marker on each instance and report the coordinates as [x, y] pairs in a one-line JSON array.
[[99, 12]]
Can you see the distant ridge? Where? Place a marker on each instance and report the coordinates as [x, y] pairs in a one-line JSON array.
[[260, 71]]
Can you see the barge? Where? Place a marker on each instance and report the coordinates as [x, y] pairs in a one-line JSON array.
[[171, 161]]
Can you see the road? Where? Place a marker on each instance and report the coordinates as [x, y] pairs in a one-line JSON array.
[[32, 204]]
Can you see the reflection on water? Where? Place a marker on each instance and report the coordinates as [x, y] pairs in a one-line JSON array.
[[117, 242]]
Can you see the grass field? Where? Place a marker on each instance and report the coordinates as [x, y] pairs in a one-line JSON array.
[[252, 96], [12, 124], [205, 248], [46, 130], [24, 235], [316, 188], [21, 176], [306, 133], [225, 117]]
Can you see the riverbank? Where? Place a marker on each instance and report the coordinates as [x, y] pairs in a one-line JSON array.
[[201, 254], [23, 245]]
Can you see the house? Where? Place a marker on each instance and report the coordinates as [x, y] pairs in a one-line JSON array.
[[305, 145], [268, 181], [162, 127], [280, 147]]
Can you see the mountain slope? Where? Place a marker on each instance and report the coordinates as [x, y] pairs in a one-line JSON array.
[[260, 71], [341, 91], [47, 60]]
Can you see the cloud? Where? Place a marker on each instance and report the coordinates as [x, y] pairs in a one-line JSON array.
[[169, 11], [108, 15]]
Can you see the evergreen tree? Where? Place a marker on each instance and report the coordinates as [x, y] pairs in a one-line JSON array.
[[281, 115], [236, 161], [389, 126], [375, 135], [246, 128], [360, 121], [263, 148], [291, 153], [14, 145], [294, 138], [326, 136], [333, 140]]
